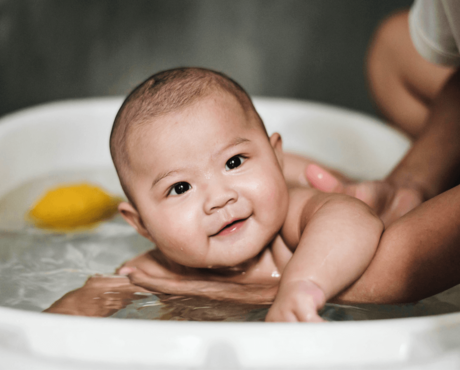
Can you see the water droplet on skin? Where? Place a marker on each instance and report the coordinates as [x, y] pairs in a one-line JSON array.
[[275, 274]]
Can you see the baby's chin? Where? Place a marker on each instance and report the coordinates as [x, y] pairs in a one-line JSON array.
[[220, 265], [217, 258], [217, 265], [232, 265]]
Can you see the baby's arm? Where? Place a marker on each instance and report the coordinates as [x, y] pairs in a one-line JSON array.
[[336, 238]]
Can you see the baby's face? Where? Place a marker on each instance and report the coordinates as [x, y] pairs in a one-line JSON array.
[[207, 183]]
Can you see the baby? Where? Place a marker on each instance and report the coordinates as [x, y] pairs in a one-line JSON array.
[[205, 183]]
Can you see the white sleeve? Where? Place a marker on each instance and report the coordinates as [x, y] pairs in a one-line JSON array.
[[435, 30]]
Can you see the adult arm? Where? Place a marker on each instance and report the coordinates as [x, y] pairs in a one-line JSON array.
[[432, 164], [101, 296], [418, 256], [422, 99], [262, 294]]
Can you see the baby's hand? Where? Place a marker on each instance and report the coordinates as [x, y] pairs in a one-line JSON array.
[[297, 301]]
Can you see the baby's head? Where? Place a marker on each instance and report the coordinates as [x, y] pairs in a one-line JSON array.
[[203, 179]]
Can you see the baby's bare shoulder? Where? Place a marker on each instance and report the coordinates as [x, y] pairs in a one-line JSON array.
[[301, 191], [300, 199], [303, 203]]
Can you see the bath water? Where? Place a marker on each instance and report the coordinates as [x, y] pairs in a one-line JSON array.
[[38, 267]]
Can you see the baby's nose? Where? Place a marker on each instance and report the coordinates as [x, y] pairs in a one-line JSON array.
[[218, 196]]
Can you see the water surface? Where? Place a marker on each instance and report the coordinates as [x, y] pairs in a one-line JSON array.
[[38, 267]]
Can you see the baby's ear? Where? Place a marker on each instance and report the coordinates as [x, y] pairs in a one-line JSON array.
[[277, 144], [132, 217]]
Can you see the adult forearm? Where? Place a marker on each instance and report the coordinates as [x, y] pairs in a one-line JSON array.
[[432, 164], [418, 256], [226, 291]]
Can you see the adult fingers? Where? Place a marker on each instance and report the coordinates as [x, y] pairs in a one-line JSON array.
[[155, 285], [323, 180]]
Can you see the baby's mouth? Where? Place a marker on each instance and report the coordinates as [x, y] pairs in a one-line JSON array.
[[231, 227]]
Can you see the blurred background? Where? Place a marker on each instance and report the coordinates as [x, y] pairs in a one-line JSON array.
[[303, 49]]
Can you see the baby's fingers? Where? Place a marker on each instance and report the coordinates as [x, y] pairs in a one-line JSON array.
[[276, 315], [293, 315], [305, 308], [299, 308], [308, 315]]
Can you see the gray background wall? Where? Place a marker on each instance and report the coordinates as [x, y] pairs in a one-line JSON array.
[[306, 49]]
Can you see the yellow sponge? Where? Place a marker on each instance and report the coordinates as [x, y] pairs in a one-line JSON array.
[[73, 206]]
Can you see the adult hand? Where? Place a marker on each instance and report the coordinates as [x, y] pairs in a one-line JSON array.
[[217, 290], [101, 296], [387, 200], [154, 272]]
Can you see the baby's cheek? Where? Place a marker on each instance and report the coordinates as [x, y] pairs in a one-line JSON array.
[[274, 197], [178, 225], [272, 189], [176, 231]]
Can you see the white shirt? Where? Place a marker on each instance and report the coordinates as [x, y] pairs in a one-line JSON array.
[[435, 30]]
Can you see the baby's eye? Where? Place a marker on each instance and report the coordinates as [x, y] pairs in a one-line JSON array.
[[234, 162], [179, 188]]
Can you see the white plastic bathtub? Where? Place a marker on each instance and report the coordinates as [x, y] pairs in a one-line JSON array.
[[74, 135]]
